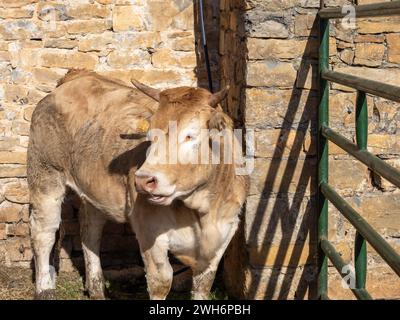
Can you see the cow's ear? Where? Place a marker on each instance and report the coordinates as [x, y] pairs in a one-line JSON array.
[[217, 97], [151, 92], [220, 121]]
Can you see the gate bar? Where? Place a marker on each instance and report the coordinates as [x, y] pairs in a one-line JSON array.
[[377, 242], [366, 10], [323, 153], [340, 265], [360, 245], [376, 88], [373, 162]]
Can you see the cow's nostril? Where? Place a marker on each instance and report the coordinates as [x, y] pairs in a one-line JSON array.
[[151, 182]]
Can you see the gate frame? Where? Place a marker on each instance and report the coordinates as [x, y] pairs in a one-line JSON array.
[[364, 232]]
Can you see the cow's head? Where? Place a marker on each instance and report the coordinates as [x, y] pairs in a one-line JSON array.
[[185, 115]]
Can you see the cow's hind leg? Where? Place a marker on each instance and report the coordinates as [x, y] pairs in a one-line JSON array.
[[91, 223], [46, 198]]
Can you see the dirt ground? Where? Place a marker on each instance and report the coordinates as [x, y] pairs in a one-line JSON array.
[[17, 284]]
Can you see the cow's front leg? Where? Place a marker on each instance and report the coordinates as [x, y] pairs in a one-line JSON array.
[[91, 223], [205, 270], [159, 272]]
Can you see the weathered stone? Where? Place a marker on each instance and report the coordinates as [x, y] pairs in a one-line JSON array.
[[88, 26], [13, 157], [344, 45], [127, 18], [19, 29], [10, 212], [382, 212], [21, 229], [137, 40], [24, 57], [88, 11], [51, 11], [11, 171], [273, 5], [369, 54], [304, 25], [20, 128], [122, 59], [278, 256], [3, 234], [341, 182], [67, 59], [170, 13], [95, 42], [4, 56], [184, 44], [294, 283], [271, 177], [106, 1], [287, 143], [347, 56], [154, 77], [383, 144], [16, 3], [16, 13], [60, 43], [275, 220], [166, 58], [393, 41], [342, 109], [184, 19], [269, 29], [270, 74], [275, 109], [10, 230], [370, 38], [19, 249], [280, 49], [370, 1], [307, 76], [379, 25], [7, 143], [17, 191]]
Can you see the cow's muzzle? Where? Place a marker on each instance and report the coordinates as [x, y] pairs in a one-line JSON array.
[[145, 183]]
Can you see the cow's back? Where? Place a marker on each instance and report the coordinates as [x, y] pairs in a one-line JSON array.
[[90, 129]]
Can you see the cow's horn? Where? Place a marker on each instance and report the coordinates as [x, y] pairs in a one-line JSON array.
[[218, 96], [151, 92]]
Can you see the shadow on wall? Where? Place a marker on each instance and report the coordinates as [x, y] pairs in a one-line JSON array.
[[289, 213]]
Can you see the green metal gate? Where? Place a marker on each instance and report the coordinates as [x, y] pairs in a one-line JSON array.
[[326, 192]]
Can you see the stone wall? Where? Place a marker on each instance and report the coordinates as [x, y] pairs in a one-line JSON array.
[[278, 93], [155, 41]]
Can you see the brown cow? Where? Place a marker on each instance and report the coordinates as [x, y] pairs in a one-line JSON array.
[[88, 134], [201, 201]]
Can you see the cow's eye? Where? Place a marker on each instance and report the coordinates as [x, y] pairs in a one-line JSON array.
[[188, 138]]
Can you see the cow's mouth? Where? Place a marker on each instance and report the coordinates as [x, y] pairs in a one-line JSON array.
[[163, 200]]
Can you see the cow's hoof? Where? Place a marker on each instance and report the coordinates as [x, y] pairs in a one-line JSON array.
[[97, 297], [46, 295]]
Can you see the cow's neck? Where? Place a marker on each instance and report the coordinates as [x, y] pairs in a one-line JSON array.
[[223, 189]]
